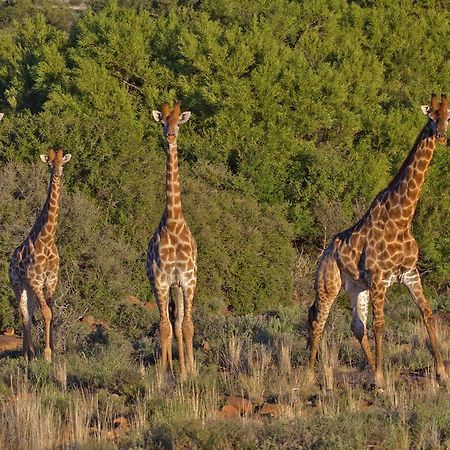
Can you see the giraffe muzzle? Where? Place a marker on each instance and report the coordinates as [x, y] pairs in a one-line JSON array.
[[442, 137]]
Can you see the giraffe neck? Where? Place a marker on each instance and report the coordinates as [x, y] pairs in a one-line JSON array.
[[48, 218], [173, 195], [404, 190]]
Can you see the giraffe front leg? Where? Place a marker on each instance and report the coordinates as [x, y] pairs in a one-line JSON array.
[[188, 326], [377, 295], [48, 316], [165, 327], [412, 281], [179, 331]]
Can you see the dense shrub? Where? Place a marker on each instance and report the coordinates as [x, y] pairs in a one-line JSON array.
[[302, 111]]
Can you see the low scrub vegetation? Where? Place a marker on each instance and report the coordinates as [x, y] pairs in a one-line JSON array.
[[250, 389]]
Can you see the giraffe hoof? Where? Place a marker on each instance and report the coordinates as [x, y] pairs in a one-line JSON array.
[[442, 378], [310, 376], [379, 382], [48, 355]]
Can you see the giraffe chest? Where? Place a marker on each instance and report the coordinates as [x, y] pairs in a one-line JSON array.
[[168, 268], [36, 260]]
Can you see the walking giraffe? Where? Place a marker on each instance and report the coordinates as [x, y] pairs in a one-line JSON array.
[[172, 253], [33, 271], [379, 250]]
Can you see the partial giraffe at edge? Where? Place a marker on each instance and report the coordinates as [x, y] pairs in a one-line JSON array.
[[33, 271], [379, 250], [172, 254]]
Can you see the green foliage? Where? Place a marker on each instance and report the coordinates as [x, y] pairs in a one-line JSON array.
[[302, 111]]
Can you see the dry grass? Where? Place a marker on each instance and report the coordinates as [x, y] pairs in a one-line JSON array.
[[44, 409]]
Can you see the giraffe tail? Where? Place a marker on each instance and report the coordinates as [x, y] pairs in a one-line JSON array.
[[172, 308]]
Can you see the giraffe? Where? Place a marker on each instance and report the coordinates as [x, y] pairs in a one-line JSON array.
[[172, 254], [379, 250], [33, 271]]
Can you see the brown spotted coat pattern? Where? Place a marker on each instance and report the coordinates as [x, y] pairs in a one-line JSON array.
[[172, 254], [380, 250], [33, 271]]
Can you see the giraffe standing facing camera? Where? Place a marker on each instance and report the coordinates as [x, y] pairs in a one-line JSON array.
[[172, 254], [33, 271]]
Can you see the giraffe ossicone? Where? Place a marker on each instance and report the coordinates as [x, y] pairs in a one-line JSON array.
[[33, 271], [172, 255], [379, 250]]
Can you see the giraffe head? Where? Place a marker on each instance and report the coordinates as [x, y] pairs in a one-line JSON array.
[[171, 121], [56, 161], [439, 115]]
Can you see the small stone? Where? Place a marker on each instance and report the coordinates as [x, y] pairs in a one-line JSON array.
[[271, 410], [243, 405], [10, 343]]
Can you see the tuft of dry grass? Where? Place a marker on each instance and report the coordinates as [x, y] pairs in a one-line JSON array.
[[125, 403]]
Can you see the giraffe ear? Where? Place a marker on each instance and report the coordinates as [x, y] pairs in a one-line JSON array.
[[426, 109], [1, 115], [184, 117], [66, 158], [44, 158], [157, 115]]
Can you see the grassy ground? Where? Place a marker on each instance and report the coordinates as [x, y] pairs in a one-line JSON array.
[[104, 391]]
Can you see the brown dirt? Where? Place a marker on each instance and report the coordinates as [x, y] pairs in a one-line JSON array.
[[243, 405], [10, 343]]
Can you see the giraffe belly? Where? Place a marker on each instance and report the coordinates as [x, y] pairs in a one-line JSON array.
[[400, 276]]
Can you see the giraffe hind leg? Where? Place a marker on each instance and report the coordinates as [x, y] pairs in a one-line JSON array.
[[327, 285], [49, 291], [188, 324], [165, 327], [48, 317]]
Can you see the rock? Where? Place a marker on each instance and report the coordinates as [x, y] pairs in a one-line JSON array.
[[150, 305], [272, 410], [121, 426], [133, 300], [10, 343], [205, 346], [243, 405], [229, 412], [93, 323]]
